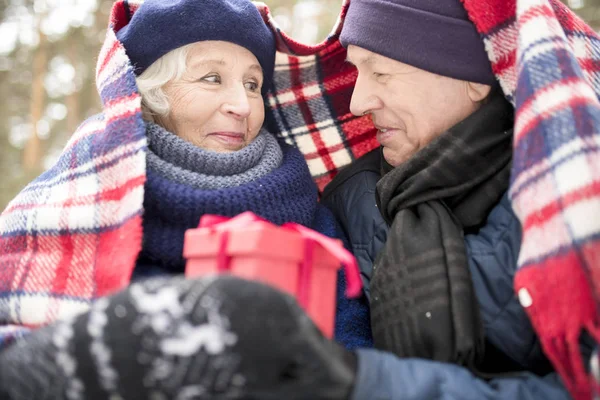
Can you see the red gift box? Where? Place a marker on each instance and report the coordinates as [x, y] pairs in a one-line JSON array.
[[291, 257]]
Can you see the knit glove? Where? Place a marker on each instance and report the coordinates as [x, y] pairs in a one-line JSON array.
[[215, 338]]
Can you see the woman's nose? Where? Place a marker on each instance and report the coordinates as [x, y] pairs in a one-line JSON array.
[[236, 103]]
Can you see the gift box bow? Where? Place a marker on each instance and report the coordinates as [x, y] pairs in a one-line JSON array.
[[247, 219]]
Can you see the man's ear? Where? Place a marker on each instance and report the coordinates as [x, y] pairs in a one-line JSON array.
[[477, 91]]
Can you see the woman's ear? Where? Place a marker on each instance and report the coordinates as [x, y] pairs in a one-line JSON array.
[[477, 91]]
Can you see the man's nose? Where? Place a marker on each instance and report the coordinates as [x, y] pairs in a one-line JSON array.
[[363, 99]]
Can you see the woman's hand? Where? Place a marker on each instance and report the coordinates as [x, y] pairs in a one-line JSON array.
[[180, 339]]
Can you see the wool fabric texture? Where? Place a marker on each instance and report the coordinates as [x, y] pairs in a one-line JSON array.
[[180, 161], [190, 21], [446, 188], [434, 35], [352, 318], [286, 194], [184, 165], [545, 59]]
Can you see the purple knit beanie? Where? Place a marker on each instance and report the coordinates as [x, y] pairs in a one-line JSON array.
[[434, 35]]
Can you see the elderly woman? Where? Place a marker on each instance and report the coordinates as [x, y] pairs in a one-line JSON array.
[[201, 85]]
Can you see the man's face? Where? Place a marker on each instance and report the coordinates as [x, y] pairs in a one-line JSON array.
[[410, 107]]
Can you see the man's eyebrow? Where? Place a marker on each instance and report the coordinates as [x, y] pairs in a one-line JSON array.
[[370, 59]]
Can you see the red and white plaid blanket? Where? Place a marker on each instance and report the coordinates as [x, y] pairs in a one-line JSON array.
[[548, 63], [74, 233]]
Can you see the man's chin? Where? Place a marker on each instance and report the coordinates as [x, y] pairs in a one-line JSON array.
[[394, 158]]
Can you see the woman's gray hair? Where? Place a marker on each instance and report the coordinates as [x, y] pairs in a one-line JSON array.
[[150, 83]]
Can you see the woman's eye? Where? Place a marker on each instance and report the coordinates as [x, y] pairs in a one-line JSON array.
[[251, 86], [377, 75], [211, 78]]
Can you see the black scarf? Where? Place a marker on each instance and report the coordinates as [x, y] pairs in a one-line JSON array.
[[423, 301]]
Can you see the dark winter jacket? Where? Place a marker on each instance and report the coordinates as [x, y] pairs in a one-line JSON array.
[[511, 343]]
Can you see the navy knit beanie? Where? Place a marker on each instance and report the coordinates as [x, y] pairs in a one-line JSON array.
[[160, 26], [434, 35]]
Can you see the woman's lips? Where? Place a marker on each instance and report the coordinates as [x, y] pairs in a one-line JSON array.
[[232, 138]]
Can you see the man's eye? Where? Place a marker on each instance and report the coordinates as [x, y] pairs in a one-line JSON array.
[[211, 78]]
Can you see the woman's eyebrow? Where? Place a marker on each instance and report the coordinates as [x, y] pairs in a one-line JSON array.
[[256, 67], [202, 62], [221, 62]]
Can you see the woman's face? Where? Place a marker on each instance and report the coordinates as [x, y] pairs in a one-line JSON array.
[[217, 103]]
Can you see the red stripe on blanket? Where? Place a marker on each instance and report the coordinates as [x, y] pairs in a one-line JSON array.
[[342, 81], [360, 135], [322, 183], [332, 83], [589, 64], [559, 323], [47, 266], [504, 63], [488, 15], [106, 195], [109, 55], [62, 274], [66, 244], [113, 267], [569, 20], [557, 207], [360, 144], [120, 192], [573, 101], [113, 112], [118, 16], [308, 117], [536, 12]]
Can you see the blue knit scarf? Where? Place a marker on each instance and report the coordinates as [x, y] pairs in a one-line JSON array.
[[286, 194], [180, 161]]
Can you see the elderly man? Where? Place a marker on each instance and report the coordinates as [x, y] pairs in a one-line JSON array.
[[427, 214]]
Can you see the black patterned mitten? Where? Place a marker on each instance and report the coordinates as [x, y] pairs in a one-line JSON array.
[[215, 338]]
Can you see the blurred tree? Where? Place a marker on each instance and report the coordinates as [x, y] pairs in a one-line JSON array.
[[47, 63], [32, 155]]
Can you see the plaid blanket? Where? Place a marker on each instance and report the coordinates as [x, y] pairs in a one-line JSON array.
[[73, 234], [548, 63]]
